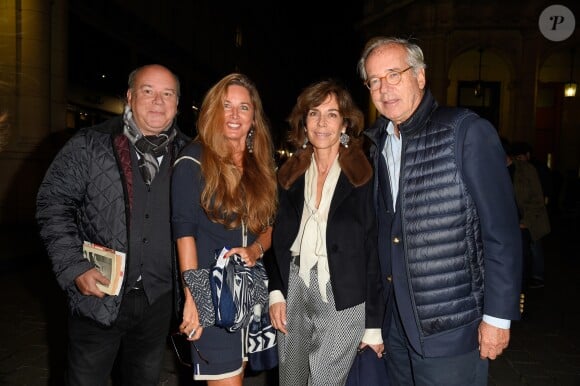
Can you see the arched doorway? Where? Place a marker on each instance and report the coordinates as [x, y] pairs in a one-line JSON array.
[[478, 80]]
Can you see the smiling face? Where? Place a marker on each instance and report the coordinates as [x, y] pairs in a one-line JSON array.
[[396, 102], [238, 115], [153, 99], [324, 124]]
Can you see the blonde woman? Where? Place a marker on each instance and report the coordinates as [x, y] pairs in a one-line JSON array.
[[223, 189]]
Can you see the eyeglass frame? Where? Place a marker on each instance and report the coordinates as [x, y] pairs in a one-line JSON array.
[[178, 354], [386, 76]]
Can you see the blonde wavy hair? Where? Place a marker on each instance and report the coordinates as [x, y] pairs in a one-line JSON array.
[[230, 196]]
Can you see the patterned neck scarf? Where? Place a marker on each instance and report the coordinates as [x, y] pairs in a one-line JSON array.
[[149, 147]]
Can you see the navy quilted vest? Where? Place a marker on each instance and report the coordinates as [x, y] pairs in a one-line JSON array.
[[441, 226]]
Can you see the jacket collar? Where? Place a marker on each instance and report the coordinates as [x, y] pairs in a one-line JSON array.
[[411, 126], [352, 160], [378, 128], [420, 117]]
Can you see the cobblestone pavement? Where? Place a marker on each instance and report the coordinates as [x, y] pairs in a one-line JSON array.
[[544, 348]]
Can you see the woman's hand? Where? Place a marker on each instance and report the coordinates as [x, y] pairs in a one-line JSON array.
[[278, 316], [250, 254], [187, 257], [254, 252], [190, 324]]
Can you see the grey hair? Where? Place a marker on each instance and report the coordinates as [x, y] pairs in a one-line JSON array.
[[133, 75], [415, 57]]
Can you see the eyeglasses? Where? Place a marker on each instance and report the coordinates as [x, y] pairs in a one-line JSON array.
[[178, 340], [393, 78]]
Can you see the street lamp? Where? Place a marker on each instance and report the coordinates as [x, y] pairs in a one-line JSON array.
[[570, 86], [477, 91], [570, 89]]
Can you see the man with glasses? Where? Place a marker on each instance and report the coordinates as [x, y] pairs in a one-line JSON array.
[[449, 240], [109, 185]]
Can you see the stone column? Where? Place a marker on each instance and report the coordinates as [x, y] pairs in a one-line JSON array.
[[32, 98]]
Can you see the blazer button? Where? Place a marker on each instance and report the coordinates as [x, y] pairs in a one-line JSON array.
[[389, 278], [396, 240]]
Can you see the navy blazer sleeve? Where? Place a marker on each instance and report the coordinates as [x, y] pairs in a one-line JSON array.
[[485, 172]]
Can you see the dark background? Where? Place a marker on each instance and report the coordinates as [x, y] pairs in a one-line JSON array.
[[285, 46]]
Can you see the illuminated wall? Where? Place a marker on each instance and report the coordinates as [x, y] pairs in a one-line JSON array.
[[32, 97]]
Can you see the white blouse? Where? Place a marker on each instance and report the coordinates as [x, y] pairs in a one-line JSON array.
[[310, 243]]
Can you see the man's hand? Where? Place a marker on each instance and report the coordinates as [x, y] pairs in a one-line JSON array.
[[87, 283], [492, 340], [379, 349]]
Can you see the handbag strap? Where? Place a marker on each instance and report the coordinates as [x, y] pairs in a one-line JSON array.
[[244, 234]]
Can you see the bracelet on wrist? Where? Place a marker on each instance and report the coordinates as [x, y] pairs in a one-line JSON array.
[[261, 249]]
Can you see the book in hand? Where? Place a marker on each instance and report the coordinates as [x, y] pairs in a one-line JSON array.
[[109, 262]]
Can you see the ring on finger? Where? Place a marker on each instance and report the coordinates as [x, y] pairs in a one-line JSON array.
[[191, 333]]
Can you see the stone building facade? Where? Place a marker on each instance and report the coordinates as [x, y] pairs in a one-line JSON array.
[[499, 45]]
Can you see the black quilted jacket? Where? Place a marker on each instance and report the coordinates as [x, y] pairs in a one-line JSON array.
[[86, 194]]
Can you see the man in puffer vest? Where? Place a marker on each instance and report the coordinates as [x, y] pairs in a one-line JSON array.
[[449, 240], [109, 185]]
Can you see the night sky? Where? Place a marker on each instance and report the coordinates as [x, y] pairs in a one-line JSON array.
[[286, 47]]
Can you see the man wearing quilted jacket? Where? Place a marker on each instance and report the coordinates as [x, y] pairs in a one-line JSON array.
[[109, 185]]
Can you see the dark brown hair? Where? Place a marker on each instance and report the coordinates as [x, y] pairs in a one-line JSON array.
[[316, 94]]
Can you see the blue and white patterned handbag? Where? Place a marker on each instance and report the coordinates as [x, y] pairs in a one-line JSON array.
[[236, 289], [262, 347]]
